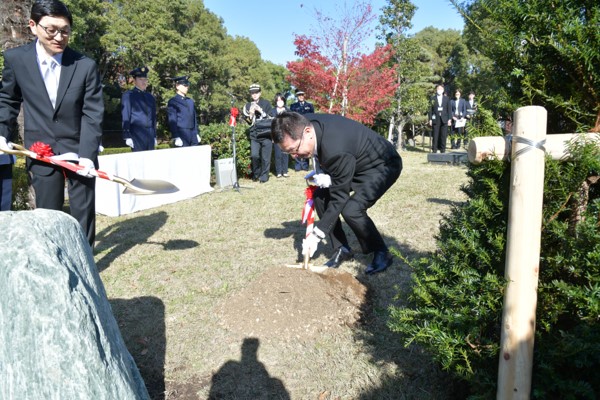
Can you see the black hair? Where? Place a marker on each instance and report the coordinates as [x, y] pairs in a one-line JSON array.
[[277, 97], [50, 8], [288, 123]]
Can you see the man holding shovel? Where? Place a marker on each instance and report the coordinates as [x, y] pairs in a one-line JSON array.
[[61, 92], [358, 167]]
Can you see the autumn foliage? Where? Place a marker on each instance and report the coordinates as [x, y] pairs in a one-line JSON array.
[[359, 89]]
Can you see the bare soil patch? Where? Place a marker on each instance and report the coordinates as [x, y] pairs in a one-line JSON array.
[[289, 303]]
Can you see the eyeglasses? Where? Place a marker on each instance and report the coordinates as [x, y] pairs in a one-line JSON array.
[[295, 151], [53, 32]]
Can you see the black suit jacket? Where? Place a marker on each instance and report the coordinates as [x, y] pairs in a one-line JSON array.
[[442, 113], [76, 123], [347, 150]]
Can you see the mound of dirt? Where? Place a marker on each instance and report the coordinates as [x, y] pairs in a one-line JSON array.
[[292, 303]]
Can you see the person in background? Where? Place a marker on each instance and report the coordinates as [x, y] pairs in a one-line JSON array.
[[282, 160], [440, 118], [471, 111], [358, 166], [459, 113], [256, 113], [181, 115], [301, 107], [138, 110], [6, 175], [61, 94]]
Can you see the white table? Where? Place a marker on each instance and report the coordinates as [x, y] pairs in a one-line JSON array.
[[188, 168]]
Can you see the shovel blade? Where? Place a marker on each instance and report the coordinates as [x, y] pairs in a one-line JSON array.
[[148, 186]]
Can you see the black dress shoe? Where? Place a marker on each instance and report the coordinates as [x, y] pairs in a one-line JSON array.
[[381, 261], [339, 257]]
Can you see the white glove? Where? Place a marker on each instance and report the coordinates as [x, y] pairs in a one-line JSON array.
[[178, 142], [198, 137], [87, 165], [129, 142], [3, 144], [322, 180], [100, 149], [311, 242]]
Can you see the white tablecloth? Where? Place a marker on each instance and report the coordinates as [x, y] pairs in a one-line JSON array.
[[188, 168]]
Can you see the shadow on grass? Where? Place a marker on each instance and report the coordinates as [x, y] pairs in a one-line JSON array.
[[117, 239], [142, 324], [247, 378], [445, 202], [419, 377]]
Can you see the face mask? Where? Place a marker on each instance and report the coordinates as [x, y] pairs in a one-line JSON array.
[[279, 103], [457, 96], [440, 92]]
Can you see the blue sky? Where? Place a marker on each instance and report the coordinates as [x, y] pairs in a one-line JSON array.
[[272, 24]]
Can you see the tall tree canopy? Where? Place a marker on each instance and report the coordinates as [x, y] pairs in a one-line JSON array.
[[545, 53]]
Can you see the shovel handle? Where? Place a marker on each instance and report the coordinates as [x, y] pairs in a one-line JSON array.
[[305, 263]]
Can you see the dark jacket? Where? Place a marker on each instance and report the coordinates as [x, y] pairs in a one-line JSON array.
[[138, 110], [75, 125], [302, 108], [439, 112], [181, 117], [349, 152]]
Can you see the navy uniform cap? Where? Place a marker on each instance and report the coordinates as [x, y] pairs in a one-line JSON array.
[[140, 72], [299, 92], [181, 80], [254, 88]]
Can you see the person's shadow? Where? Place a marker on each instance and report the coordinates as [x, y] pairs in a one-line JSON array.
[[247, 378]]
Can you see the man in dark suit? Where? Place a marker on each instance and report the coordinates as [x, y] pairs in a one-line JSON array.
[[358, 166], [181, 115], [62, 97], [138, 112], [440, 118], [301, 107]]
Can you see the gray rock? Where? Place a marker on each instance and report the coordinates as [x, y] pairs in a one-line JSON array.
[[58, 336]]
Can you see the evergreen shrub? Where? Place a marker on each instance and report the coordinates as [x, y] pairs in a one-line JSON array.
[[455, 305], [219, 137]]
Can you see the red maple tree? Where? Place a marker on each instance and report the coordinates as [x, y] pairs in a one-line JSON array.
[[337, 77]]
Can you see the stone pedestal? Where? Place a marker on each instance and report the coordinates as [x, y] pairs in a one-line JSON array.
[[58, 336]]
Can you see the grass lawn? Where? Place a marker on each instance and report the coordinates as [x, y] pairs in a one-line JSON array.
[[175, 276]]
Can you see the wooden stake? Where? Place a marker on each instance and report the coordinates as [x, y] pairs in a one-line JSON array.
[[522, 253]]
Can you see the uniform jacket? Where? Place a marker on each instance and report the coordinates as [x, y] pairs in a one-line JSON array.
[[459, 108], [302, 108], [181, 116], [471, 109], [76, 123], [138, 110], [347, 150], [260, 124], [439, 112]]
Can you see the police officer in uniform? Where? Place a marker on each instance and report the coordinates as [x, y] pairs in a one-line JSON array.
[[257, 114], [138, 110], [301, 107], [181, 115]]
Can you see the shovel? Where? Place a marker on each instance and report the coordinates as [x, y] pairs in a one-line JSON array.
[[308, 217], [135, 186], [306, 265]]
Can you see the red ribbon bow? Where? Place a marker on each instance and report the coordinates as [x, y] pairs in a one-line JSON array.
[[42, 149], [232, 118]]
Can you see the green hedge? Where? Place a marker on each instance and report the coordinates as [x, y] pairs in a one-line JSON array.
[[455, 307]]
